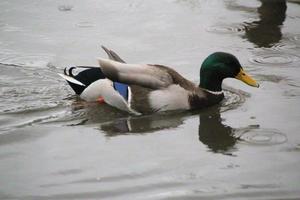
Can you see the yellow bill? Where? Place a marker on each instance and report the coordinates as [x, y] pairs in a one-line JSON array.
[[242, 76]]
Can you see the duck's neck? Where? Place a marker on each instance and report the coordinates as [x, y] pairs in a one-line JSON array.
[[211, 83]]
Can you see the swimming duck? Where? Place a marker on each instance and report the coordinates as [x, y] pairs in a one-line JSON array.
[[147, 88]]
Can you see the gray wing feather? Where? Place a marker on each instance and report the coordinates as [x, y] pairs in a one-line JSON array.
[[112, 55], [134, 74]]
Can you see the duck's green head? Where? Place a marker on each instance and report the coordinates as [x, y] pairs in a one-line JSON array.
[[219, 66]]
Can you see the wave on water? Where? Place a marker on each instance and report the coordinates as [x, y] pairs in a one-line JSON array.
[[255, 135], [17, 60], [226, 29], [31, 91], [233, 98], [274, 59]]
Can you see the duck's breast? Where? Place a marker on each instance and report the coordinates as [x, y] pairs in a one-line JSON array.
[[173, 97]]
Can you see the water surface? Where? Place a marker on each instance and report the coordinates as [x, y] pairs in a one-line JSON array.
[[55, 146]]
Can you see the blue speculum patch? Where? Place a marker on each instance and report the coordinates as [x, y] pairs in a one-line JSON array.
[[122, 89]]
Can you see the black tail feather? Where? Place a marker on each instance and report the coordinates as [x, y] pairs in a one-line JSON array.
[[87, 76]]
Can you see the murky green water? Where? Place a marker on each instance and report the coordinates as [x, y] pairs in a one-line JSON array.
[[55, 146]]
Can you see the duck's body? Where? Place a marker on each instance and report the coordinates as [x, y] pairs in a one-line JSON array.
[[158, 88], [153, 88], [173, 97]]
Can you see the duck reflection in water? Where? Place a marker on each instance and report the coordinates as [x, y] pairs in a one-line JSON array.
[[219, 138], [143, 124], [267, 30]]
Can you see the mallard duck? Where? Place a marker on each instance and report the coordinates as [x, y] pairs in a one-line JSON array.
[[147, 88]]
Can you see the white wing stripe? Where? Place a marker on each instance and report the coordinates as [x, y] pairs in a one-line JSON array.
[[71, 79]]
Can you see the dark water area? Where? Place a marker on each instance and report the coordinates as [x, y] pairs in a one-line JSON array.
[[55, 146]]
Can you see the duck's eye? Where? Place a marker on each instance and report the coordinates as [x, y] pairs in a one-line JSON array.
[[243, 74]]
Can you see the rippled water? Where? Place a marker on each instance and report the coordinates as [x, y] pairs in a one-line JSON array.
[[272, 58], [55, 146]]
